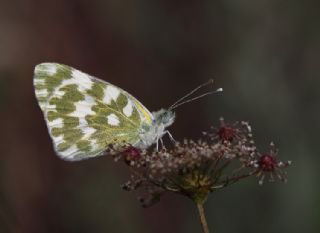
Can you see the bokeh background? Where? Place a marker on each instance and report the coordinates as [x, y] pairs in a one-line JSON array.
[[265, 54]]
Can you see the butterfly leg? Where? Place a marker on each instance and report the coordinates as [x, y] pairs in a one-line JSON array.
[[157, 145], [171, 137], [162, 144]]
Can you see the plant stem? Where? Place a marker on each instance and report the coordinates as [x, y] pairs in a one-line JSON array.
[[202, 217]]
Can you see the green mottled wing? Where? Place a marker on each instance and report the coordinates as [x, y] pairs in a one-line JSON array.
[[84, 114]]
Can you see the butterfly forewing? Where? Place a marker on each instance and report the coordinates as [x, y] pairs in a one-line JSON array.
[[84, 114]]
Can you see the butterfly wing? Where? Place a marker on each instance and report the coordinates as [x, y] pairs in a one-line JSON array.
[[85, 114]]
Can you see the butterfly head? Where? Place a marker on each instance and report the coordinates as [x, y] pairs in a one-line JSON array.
[[164, 117]]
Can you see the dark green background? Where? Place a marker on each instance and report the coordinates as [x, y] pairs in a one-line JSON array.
[[265, 54]]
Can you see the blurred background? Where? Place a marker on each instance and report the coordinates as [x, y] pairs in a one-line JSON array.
[[265, 54]]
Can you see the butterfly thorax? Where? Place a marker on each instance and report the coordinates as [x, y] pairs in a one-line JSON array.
[[151, 134]]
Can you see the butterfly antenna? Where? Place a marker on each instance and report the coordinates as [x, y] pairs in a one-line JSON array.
[[210, 81], [197, 97]]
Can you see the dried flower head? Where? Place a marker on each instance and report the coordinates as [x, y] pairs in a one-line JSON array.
[[267, 164], [222, 157]]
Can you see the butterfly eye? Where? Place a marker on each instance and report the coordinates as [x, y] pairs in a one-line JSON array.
[[167, 117]]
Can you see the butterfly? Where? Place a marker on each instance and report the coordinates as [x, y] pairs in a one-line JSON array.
[[84, 114]]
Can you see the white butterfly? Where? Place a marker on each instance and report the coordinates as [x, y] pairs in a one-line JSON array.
[[85, 114]]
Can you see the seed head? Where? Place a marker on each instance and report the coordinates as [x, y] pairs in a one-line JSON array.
[[222, 157], [267, 165], [267, 162]]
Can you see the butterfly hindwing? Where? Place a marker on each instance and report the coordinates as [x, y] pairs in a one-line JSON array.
[[84, 114]]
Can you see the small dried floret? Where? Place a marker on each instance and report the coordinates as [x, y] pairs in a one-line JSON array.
[[130, 154], [267, 164], [231, 133], [226, 133]]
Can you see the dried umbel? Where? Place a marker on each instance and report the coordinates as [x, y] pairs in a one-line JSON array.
[[223, 156]]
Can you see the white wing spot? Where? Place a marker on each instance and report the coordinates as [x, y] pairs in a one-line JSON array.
[[82, 80], [106, 97], [88, 131], [110, 92], [58, 93], [49, 68], [113, 120], [42, 105], [83, 108], [56, 123], [113, 92], [39, 81], [58, 140], [127, 110], [68, 153], [94, 144], [42, 92]]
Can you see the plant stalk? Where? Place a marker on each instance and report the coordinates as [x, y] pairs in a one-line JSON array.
[[202, 217]]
